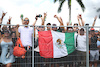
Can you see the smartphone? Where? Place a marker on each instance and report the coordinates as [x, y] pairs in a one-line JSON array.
[[39, 15]]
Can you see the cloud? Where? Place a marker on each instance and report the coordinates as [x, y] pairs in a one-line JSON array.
[[29, 8], [91, 11]]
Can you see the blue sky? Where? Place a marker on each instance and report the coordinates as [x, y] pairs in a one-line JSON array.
[[29, 8]]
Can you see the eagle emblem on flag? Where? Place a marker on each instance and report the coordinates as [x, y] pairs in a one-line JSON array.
[[59, 43]]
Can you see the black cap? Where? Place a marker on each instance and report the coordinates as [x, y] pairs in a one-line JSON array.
[[87, 24], [75, 24], [48, 23], [54, 25]]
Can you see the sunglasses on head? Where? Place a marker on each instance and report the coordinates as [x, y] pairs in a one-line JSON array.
[[26, 20]]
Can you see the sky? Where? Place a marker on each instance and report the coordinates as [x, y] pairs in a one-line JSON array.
[[31, 8]]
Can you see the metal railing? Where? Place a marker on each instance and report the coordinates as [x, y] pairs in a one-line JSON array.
[[87, 45]]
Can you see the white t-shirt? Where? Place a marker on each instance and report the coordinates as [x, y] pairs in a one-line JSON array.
[[81, 43], [26, 35]]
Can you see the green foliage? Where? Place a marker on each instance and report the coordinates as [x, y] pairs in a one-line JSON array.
[[81, 4], [61, 3], [55, 1], [69, 4]]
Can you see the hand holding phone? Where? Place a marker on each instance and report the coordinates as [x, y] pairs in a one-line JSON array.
[[39, 15]]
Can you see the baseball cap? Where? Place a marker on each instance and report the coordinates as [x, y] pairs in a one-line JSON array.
[[48, 23], [92, 29], [54, 25]]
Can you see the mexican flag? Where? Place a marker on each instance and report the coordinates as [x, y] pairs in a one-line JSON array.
[[54, 44]]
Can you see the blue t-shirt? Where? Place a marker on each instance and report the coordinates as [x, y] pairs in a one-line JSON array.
[[98, 43]]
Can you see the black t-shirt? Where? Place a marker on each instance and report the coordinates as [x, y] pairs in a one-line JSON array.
[[14, 41], [93, 45]]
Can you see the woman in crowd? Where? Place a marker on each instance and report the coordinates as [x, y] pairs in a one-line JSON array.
[[7, 57]]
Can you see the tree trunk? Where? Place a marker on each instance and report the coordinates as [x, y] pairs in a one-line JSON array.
[[69, 13]]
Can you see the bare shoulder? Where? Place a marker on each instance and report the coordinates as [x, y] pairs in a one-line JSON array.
[[1, 40]]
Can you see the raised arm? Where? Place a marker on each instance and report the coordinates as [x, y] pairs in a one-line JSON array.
[[80, 16], [9, 22], [94, 21], [36, 18], [21, 16], [3, 14], [78, 20], [59, 19], [43, 19], [62, 24]]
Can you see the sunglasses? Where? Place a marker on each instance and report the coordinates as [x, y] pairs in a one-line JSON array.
[[70, 29], [13, 27], [26, 20], [41, 27], [6, 32], [54, 27], [96, 31]]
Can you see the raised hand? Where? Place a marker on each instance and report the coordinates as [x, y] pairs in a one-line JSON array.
[[45, 14], [55, 16], [80, 16], [3, 14], [67, 23], [36, 18], [23, 57], [10, 18]]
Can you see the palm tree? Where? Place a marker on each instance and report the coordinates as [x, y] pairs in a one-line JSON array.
[[69, 6]]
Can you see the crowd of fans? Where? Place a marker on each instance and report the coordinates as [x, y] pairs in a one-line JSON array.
[[9, 35]]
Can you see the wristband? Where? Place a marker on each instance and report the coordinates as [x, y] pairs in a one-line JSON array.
[[95, 20]]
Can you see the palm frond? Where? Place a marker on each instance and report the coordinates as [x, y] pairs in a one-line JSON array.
[[69, 3], [81, 4], [55, 1], [61, 3]]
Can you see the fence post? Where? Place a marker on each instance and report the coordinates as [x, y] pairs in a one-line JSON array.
[[33, 49], [87, 46]]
